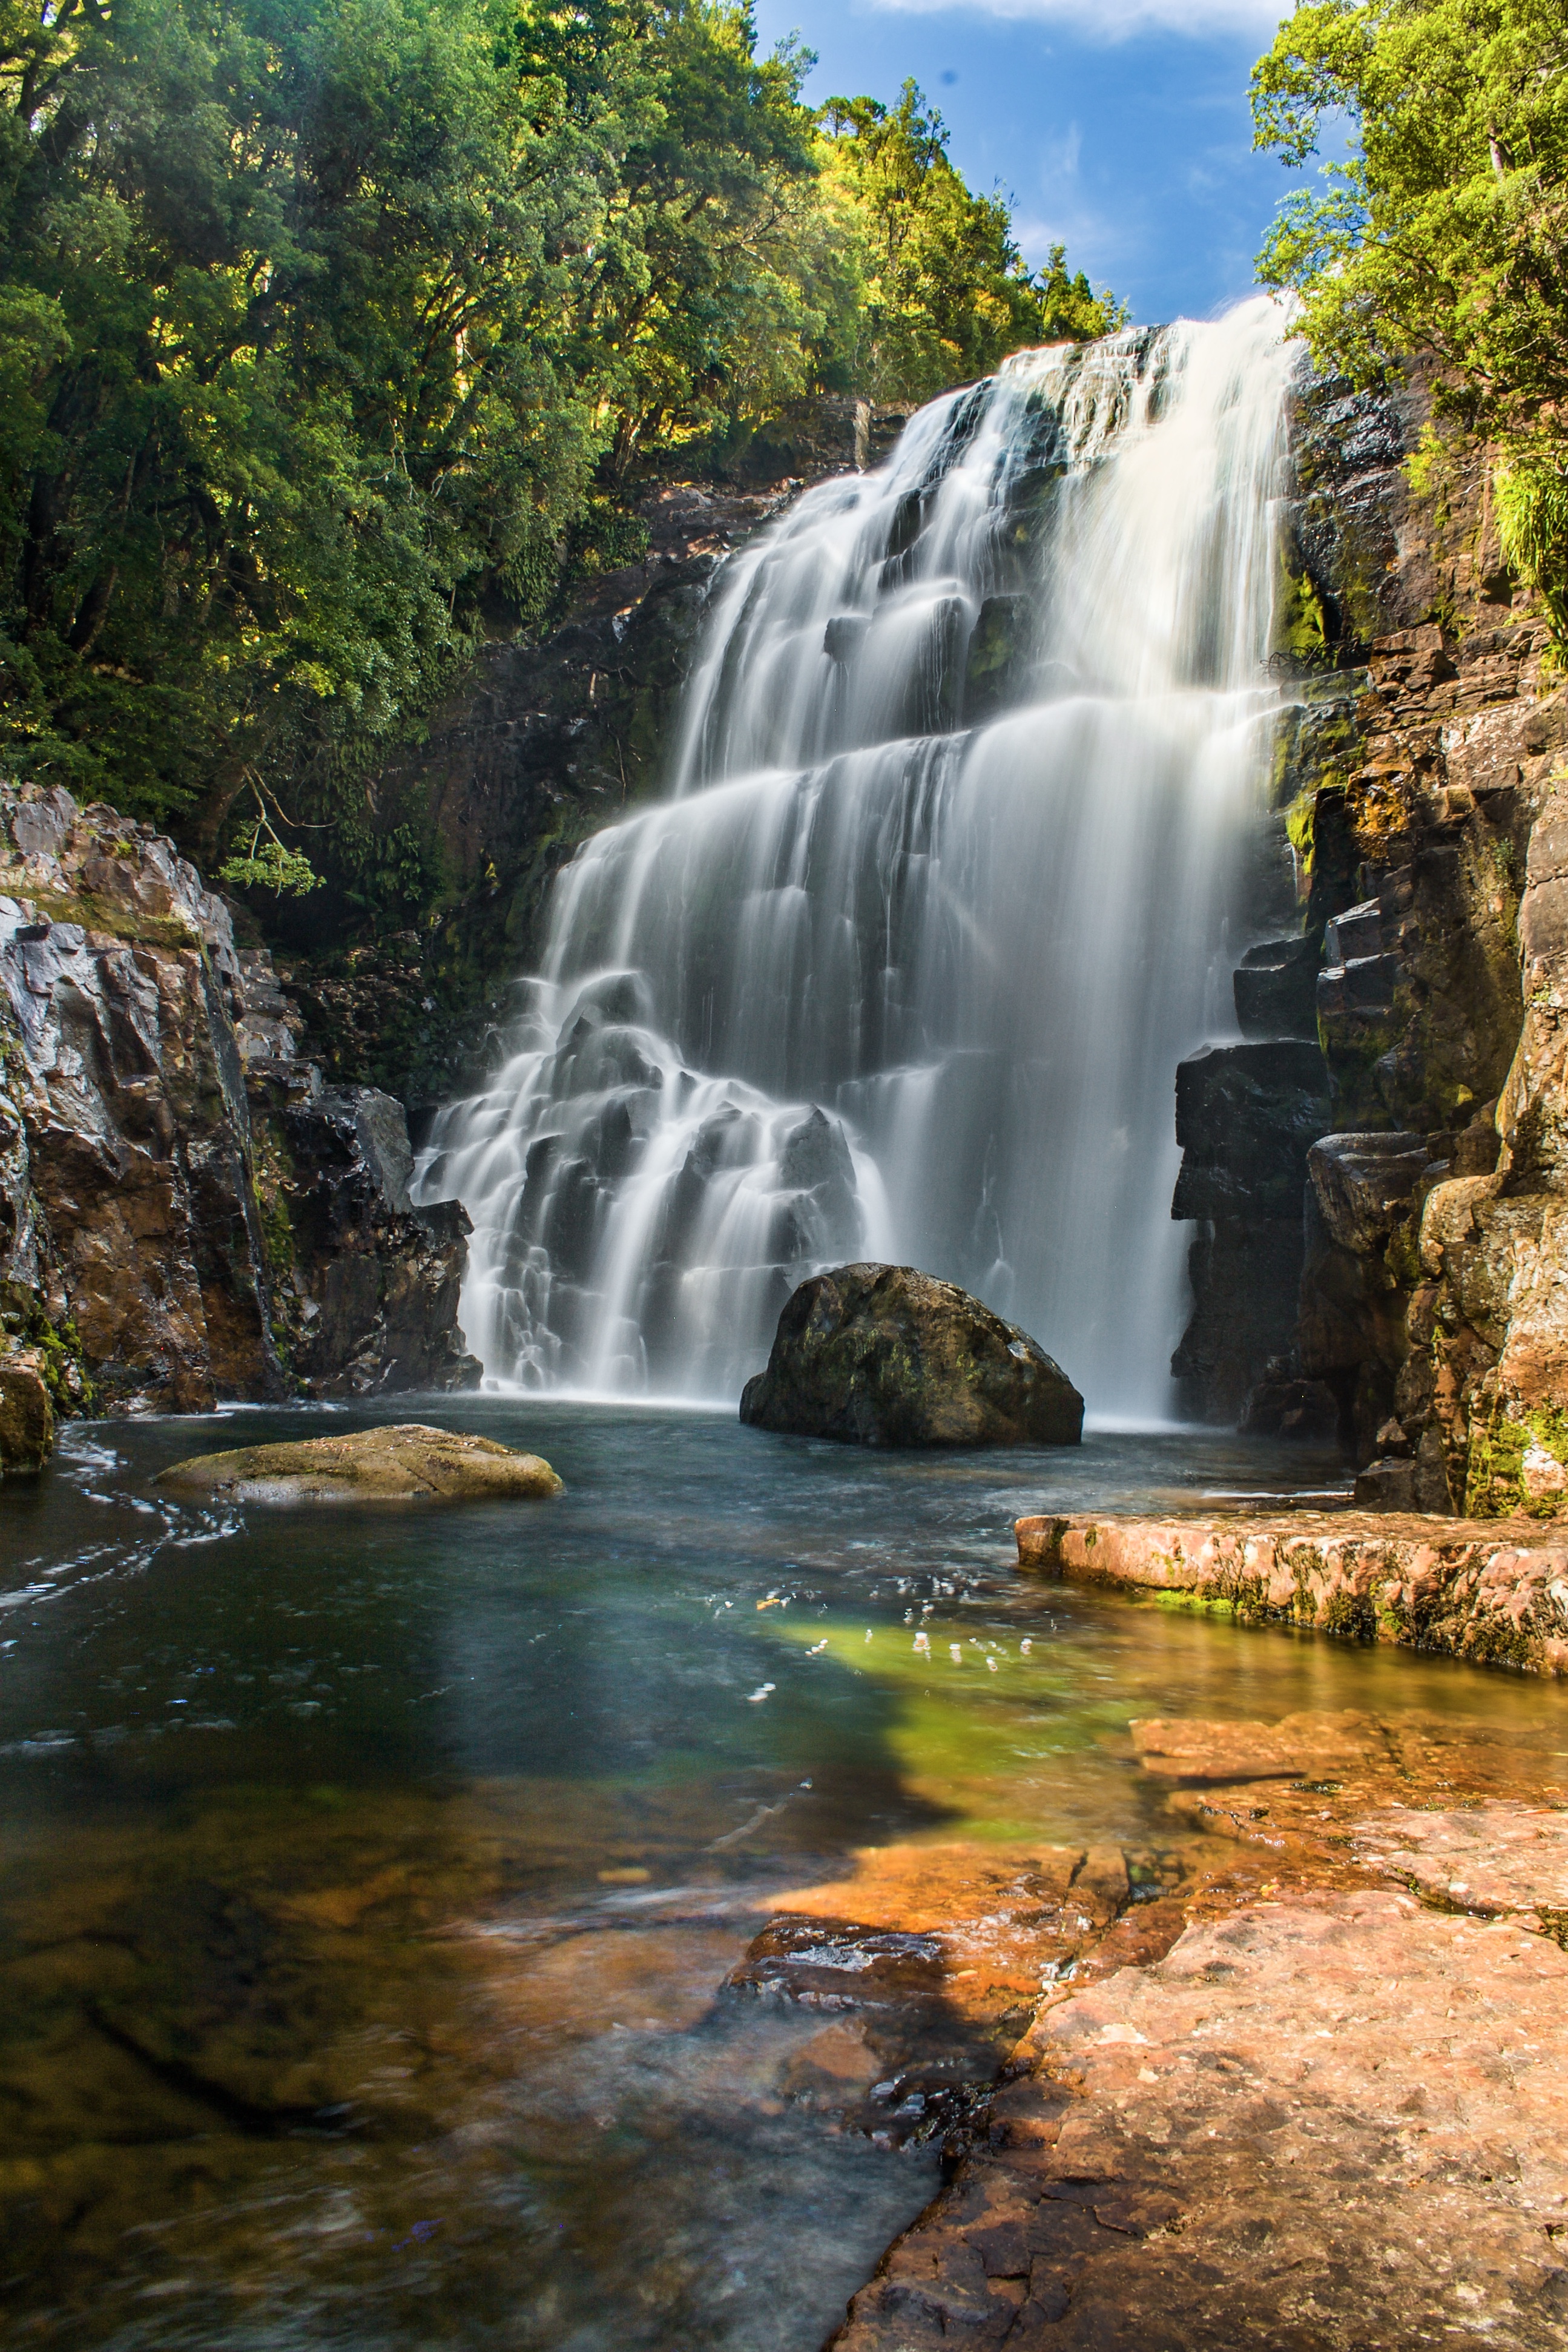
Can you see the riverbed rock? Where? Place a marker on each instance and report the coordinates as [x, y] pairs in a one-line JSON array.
[[1325, 2121], [882, 1355], [407, 1459], [26, 1412], [1311, 2096], [1497, 1593]]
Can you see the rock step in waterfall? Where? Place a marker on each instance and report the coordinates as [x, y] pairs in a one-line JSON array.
[[950, 877]]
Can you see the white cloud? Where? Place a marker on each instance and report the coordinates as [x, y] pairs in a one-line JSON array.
[[1115, 20]]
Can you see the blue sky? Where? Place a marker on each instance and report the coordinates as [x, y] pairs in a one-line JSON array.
[[1119, 127]]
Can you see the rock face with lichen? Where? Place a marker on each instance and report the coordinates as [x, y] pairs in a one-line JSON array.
[[187, 1215], [407, 1459], [881, 1354], [1497, 1595]]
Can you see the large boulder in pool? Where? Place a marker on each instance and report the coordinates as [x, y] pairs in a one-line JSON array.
[[880, 1355], [407, 1458]]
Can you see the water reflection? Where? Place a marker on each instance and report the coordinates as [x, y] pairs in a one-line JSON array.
[[371, 1875]]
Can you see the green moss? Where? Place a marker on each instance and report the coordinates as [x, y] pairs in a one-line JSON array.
[[25, 1318], [1403, 1256], [277, 1227], [1301, 623], [97, 914], [1352, 1615], [1494, 1480]]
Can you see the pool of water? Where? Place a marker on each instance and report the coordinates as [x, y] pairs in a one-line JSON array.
[[371, 1873]]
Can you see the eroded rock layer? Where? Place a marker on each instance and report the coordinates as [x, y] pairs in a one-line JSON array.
[[1495, 1594], [186, 1214]]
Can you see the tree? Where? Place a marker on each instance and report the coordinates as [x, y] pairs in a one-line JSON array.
[[1446, 230], [283, 311], [330, 331], [946, 293]]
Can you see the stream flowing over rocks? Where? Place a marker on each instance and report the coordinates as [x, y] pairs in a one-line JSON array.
[[1112, 854]]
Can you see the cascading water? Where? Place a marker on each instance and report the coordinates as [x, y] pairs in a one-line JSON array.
[[904, 965]]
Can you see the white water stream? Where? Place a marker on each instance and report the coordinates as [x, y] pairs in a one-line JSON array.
[[943, 891]]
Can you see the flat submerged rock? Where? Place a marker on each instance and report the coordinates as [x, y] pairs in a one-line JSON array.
[[1494, 1591], [407, 1458]]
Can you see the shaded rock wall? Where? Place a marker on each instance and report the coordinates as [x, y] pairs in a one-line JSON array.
[[180, 1195], [1419, 776]]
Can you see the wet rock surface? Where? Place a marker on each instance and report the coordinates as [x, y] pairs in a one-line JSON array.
[[880, 1355], [1495, 1594], [1323, 2108], [1244, 1118], [188, 1216], [407, 1459]]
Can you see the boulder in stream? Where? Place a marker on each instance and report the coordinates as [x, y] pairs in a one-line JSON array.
[[882, 1355], [370, 1465]]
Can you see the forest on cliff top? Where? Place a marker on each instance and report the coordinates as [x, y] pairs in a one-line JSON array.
[[333, 331]]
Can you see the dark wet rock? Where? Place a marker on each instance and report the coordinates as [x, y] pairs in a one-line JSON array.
[[407, 1459], [845, 634], [1275, 986], [26, 1412], [371, 1291], [1245, 1272], [880, 1355], [1363, 1184], [1387, 1485], [1246, 1116], [1284, 1404], [997, 663]]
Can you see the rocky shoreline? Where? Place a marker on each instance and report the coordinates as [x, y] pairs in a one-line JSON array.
[[1310, 2096]]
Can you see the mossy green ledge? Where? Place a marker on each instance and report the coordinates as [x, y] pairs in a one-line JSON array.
[[405, 1459], [1493, 1592]]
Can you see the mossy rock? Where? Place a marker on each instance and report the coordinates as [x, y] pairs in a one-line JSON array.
[[369, 1465], [26, 1412], [882, 1355]]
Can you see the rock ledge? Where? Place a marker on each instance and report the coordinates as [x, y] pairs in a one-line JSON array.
[[1493, 1592]]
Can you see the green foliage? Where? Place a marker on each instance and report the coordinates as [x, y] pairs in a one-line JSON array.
[[1446, 229], [946, 294], [331, 328], [1532, 524]]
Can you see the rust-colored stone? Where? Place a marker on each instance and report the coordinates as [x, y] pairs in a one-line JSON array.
[[1492, 1591]]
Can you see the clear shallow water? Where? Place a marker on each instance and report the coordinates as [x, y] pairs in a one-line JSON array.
[[370, 1873]]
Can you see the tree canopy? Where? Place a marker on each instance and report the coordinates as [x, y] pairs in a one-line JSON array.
[[324, 322], [1447, 228]]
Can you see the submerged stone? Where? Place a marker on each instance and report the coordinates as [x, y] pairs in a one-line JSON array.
[[882, 1355], [407, 1458]]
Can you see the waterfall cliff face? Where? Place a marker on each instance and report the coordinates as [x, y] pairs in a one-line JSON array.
[[903, 965]]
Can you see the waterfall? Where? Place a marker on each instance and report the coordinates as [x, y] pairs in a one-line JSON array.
[[903, 965]]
